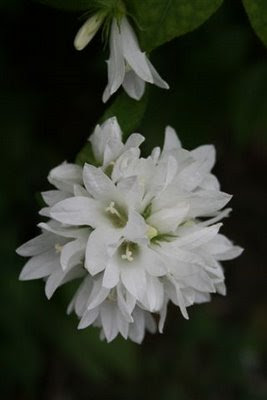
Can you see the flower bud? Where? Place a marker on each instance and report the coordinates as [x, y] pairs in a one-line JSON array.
[[88, 30]]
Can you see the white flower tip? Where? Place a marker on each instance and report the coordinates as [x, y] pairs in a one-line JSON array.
[[81, 325], [23, 276]]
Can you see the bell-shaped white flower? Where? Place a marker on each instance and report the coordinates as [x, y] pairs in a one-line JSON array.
[[56, 255], [107, 144], [128, 66]]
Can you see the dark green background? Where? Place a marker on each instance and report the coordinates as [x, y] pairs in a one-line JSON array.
[[50, 100]]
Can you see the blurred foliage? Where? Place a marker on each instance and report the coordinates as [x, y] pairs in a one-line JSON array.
[[257, 12], [50, 101], [160, 21], [129, 113]]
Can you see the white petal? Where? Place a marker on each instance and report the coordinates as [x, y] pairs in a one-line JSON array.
[[39, 244], [67, 232], [103, 134], [40, 266], [81, 297], [122, 324], [152, 261], [59, 277], [134, 140], [218, 217], [205, 153], [108, 319], [167, 220], [154, 294], [98, 295], [163, 314], [171, 141], [136, 228], [137, 329], [132, 53], [88, 318], [134, 279], [157, 80], [101, 245], [78, 211], [116, 64], [72, 253], [98, 184], [52, 197], [222, 248], [126, 303], [111, 275], [206, 202], [198, 237], [133, 85], [210, 182], [65, 176]]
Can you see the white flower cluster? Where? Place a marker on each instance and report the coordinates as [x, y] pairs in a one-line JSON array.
[[128, 65], [140, 232]]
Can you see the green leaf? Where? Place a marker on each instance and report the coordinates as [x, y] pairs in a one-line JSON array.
[[257, 13], [160, 21], [129, 113]]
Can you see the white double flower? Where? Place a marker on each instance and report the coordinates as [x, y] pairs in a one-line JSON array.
[[139, 231]]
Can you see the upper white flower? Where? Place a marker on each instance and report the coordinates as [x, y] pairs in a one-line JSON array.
[[141, 231], [127, 65]]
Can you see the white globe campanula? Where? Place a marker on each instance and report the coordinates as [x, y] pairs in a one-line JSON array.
[[139, 232]]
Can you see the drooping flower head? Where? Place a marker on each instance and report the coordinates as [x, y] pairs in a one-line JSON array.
[[128, 66], [139, 233]]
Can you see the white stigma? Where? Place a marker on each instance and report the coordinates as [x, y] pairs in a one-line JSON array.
[[128, 254], [111, 208], [58, 248]]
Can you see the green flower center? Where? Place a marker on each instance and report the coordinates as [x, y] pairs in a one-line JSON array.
[[116, 215], [128, 251]]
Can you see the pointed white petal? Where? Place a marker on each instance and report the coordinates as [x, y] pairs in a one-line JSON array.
[[171, 141], [134, 279], [78, 211], [39, 244], [133, 85], [111, 274], [136, 228], [98, 184], [157, 80], [116, 64], [67, 232], [52, 197], [98, 295], [108, 319], [132, 53], [197, 238], [65, 176], [88, 318], [72, 253], [168, 219], [40, 266], [101, 245]]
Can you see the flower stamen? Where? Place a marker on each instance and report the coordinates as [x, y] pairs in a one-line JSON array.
[[58, 248], [128, 254], [111, 208]]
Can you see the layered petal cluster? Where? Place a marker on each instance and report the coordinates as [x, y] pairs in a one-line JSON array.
[[138, 232], [128, 66]]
